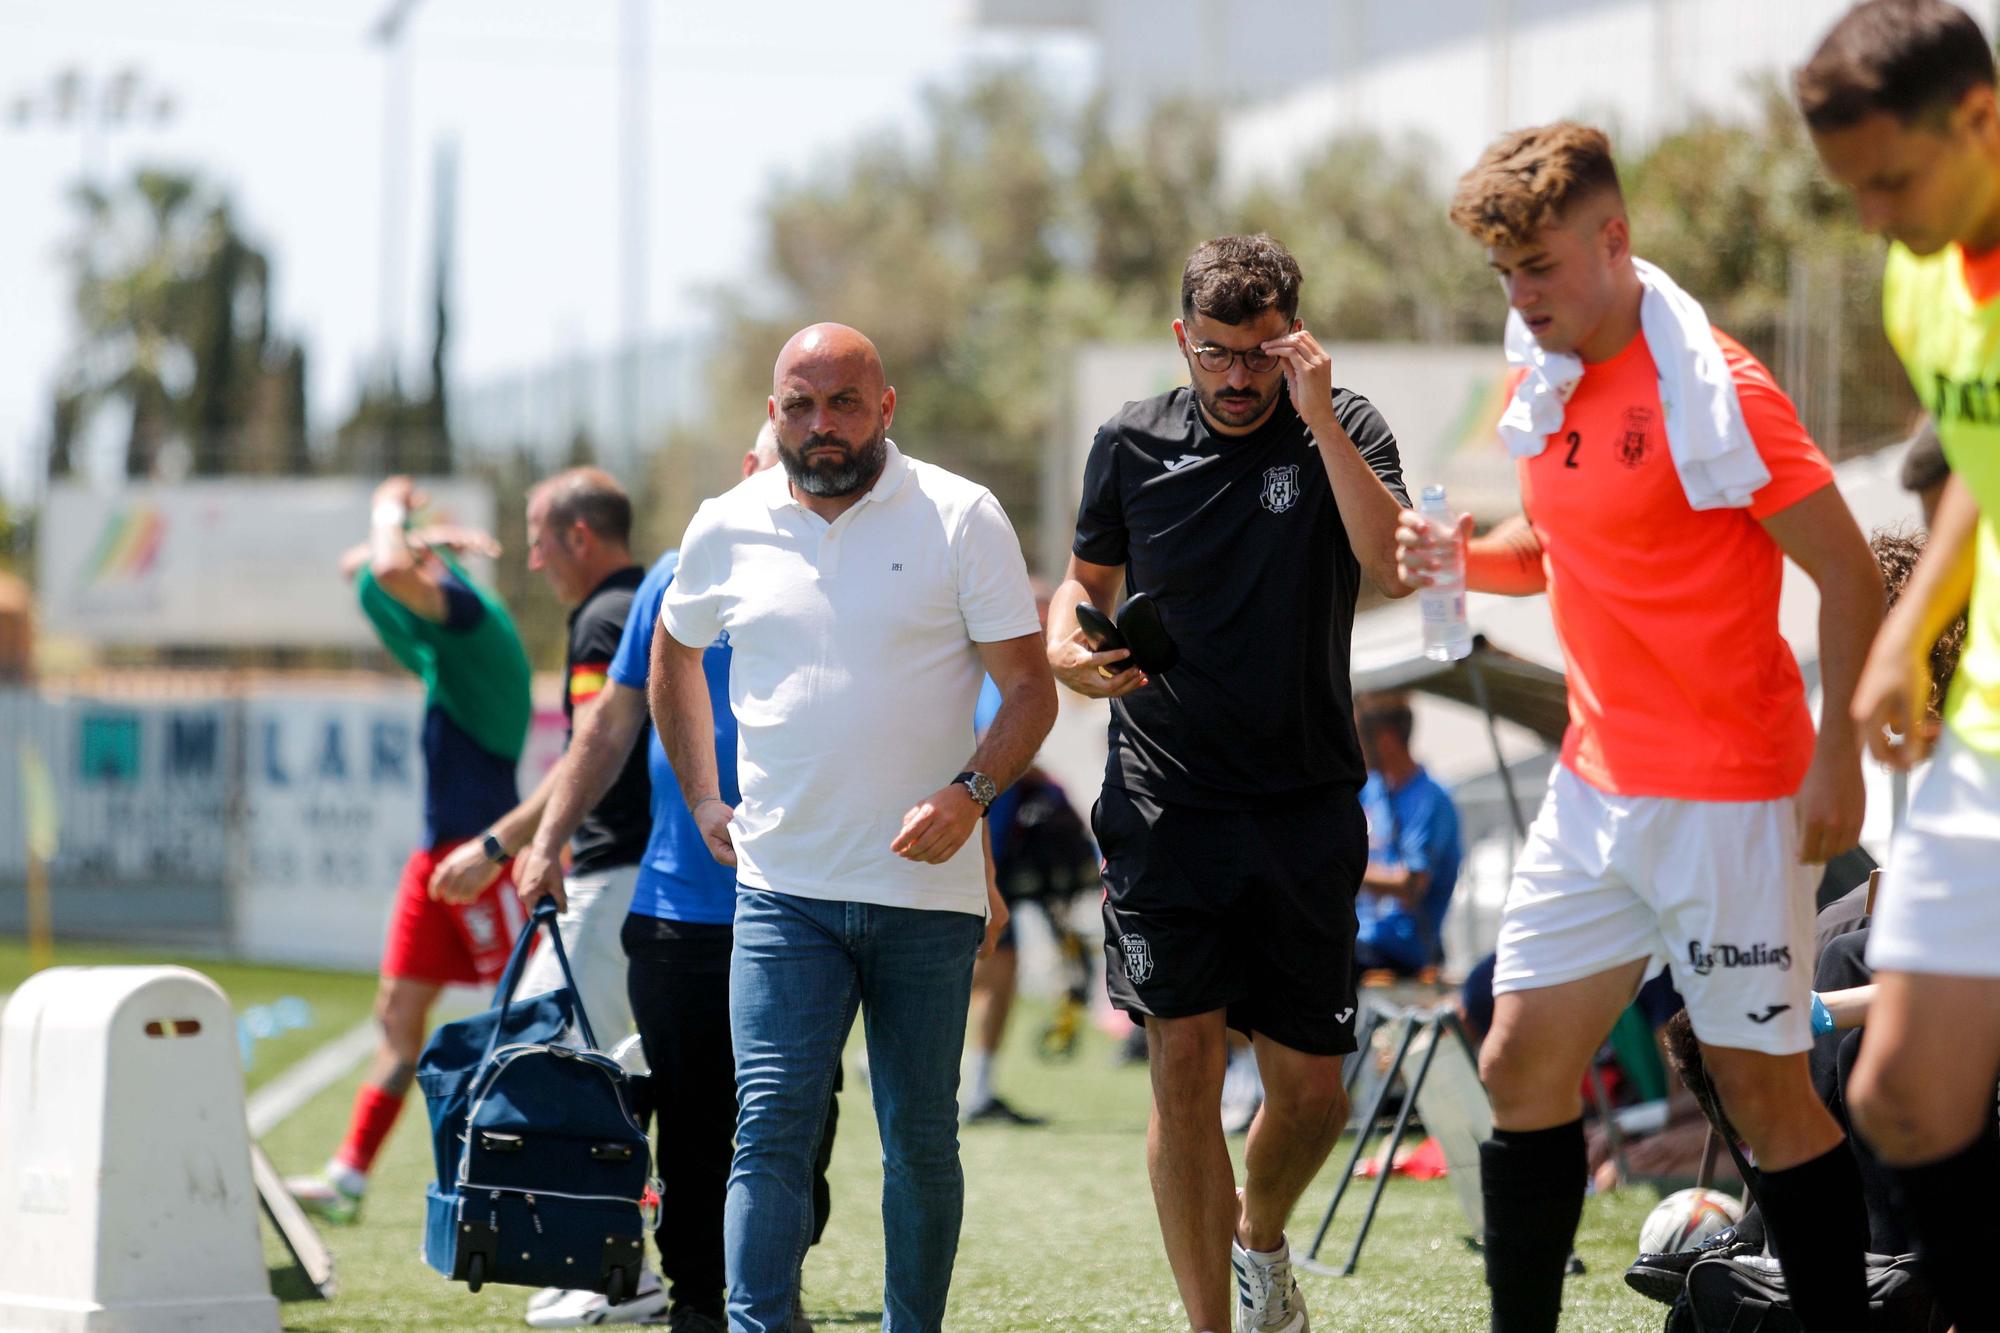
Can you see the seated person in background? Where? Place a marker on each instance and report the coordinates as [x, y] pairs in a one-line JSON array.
[[1413, 848], [1896, 553], [1837, 1018], [1843, 988], [1843, 983]]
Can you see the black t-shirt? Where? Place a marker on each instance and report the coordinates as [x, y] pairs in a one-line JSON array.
[[614, 833], [1239, 541]]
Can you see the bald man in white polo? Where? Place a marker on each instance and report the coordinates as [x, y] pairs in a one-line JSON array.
[[864, 594]]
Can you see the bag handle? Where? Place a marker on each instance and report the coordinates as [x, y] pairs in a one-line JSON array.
[[510, 975], [543, 915]]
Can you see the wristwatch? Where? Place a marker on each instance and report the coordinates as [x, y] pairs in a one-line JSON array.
[[981, 787], [495, 853]]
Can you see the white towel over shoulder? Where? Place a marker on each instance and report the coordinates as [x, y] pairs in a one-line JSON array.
[[1717, 460]]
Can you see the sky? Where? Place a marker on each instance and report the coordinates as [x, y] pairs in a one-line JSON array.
[[284, 104]]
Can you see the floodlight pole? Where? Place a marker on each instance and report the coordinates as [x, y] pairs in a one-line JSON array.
[[634, 189], [388, 33]]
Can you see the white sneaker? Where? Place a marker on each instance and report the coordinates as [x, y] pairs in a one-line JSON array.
[[553, 1307], [333, 1196], [1267, 1295]]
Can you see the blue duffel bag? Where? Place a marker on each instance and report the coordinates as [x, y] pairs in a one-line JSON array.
[[544, 1175]]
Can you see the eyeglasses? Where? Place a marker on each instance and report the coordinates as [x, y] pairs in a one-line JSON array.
[[1217, 360]]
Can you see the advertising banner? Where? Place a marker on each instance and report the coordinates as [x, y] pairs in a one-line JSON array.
[[225, 562]]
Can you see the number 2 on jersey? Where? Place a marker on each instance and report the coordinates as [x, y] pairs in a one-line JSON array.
[[1573, 439]]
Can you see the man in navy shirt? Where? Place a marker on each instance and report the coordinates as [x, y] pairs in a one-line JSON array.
[[677, 941], [1413, 847], [994, 977]]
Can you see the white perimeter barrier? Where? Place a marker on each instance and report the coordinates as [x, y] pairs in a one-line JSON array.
[[125, 1192]]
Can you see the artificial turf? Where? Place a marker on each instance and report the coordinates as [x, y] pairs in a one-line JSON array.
[[1059, 1230]]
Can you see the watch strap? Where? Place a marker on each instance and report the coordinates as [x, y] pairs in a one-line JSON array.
[[971, 780]]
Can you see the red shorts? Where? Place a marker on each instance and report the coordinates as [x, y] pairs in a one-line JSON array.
[[446, 942]]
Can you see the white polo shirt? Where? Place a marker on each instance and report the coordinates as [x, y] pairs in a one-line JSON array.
[[854, 675]]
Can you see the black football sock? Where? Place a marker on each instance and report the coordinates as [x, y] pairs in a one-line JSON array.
[[1532, 1181], [1818, 1231], [1949, 1208]]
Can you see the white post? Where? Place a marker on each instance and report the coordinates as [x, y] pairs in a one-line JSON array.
[[126, 1198], [635, 123]]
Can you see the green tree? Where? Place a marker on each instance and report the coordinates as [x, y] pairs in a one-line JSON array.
[[977, 255], [1013, 225], [1140, 196], [1381, 259], [1745, 219], [173, 326], [391, 429]]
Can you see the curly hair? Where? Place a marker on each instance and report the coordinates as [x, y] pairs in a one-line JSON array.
[[1896, 552], [1526, 179], [1234, 279]]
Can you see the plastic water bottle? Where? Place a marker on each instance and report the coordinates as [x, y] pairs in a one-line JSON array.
[[1447, 635]]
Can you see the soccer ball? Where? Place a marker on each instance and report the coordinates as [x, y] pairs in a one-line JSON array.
[[1684, 1220]]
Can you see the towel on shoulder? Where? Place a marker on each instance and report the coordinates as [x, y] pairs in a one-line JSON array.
[[1711, 446]]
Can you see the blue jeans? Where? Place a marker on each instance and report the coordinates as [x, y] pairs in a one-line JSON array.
[[800, 969]]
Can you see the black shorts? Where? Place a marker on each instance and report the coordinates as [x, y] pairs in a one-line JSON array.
[[1248, 911]]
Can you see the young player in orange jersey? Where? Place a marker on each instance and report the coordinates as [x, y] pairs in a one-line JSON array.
[[1664, 479]]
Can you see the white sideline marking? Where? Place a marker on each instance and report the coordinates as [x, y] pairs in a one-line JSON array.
[[307, 1078], [272, 1104]]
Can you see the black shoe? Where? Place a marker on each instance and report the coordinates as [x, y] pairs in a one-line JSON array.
[[997, 1112], [1661, 1277], [685, 1319]]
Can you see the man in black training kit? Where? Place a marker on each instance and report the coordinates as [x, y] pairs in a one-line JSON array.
[[1248, 507]]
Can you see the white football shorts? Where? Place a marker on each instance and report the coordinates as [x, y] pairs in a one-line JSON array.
[[1714, 889], [1938, 909]]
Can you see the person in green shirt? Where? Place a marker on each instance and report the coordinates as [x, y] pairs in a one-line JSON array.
[[1901, 101], [457, 638]]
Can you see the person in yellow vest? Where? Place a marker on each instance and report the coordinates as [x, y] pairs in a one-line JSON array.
[[1901, 102]]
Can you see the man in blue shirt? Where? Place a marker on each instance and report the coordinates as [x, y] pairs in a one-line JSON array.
[[1413, 849], [994, 976], [677, 941]]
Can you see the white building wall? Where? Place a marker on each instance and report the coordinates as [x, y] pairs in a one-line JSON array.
[[1640, 68], [1289, 73]]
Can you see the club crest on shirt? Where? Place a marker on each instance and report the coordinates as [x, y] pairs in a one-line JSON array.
[[1138, 958], [1632, 446], [1281, 487]]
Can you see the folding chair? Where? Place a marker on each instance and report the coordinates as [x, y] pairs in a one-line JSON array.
[[1460, 1120]]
